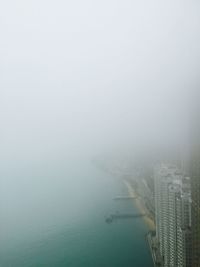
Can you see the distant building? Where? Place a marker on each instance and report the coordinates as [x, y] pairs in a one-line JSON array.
[[194, 173], [173, 216], [195, 185]]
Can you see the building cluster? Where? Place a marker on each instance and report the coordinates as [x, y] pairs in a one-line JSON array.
[[177, 215], [173, 216], [171, 195]]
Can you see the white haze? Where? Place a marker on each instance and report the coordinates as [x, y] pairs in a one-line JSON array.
[[77, 76]]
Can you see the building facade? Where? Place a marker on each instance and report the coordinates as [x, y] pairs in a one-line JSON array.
[[195, 185], [173, 216], [194, 173]]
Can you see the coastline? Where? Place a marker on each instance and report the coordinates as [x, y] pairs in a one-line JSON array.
[[140, 206]]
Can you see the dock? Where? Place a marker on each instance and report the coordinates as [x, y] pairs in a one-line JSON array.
[[116, 216]]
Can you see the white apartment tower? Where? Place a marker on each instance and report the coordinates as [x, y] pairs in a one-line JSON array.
[[173, 216]]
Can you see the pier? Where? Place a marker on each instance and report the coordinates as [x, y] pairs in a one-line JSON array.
[[116, 216]]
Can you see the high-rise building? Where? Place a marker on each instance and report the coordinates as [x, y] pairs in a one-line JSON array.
[[173, 216], [194, 173], [195, 188]]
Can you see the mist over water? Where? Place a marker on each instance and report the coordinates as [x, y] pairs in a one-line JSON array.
[[62, 221], [80, 79]]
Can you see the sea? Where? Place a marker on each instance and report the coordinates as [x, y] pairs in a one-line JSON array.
[[52, 214]]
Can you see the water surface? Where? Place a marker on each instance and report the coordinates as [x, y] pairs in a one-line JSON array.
[[53, 214]]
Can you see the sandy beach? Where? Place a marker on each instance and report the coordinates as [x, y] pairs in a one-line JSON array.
[[138, 203]]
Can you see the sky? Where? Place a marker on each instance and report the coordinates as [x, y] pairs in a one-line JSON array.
[[77, 76]]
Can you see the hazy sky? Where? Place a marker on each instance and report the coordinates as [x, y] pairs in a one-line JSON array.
[[79, 74]]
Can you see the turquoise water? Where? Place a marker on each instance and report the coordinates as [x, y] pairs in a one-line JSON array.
[[53, 214]]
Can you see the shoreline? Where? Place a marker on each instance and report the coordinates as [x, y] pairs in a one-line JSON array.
[[140, 206]]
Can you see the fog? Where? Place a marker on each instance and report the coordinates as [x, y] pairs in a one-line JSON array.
[[86, 78], [79, 76]]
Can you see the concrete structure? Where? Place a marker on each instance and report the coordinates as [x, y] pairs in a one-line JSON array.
[[194, 173], [173, 216], [195, 184]]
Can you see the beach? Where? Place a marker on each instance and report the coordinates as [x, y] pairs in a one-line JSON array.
[[138, 203]]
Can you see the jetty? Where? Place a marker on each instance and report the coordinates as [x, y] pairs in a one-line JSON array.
[[117, 216]]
